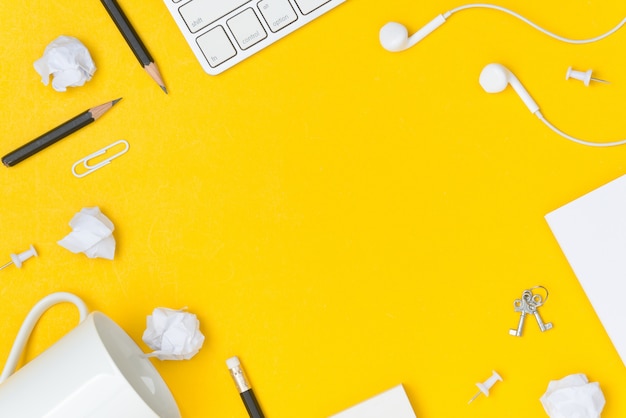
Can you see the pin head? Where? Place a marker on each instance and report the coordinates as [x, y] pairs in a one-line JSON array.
[[486, 385], [584, 76], [18, 259]]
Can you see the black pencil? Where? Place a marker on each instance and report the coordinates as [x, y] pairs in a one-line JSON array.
[[56, 134], [245, 390], [133, 41]]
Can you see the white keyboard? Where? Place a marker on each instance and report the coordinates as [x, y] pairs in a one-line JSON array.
[[222, 33]]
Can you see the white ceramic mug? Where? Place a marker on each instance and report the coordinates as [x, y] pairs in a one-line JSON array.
[[94, 371]]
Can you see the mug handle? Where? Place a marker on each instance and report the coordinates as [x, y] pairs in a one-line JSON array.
[[31, 320]]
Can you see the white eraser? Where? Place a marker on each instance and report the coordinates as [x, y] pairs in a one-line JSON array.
[[393, 403], [232, 362]]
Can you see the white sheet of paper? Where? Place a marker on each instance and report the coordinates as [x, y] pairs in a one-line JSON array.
[[392, 403], [591, 231]]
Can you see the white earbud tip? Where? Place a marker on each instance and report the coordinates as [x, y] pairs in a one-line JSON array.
[[393, 37], [493, 78]]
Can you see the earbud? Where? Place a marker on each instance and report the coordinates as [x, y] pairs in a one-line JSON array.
[[495, 77], [394, 36]]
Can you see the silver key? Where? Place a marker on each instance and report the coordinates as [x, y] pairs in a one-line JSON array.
[[542, 326], [528, 304], [520, 306]]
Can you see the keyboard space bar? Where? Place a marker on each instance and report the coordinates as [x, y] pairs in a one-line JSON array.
[[198, 14]]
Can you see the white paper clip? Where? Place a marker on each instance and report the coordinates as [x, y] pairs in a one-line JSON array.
[[91, 168]]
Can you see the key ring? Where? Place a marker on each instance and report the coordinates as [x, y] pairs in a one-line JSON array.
[[537, 298]]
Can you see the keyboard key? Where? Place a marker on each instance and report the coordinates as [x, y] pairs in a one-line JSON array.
[[222, 33], [198, 14], [307, 6], [277, 13], [246, 28], [216, 46]]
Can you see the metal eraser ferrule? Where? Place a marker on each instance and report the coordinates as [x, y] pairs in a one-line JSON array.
[[239, 378]]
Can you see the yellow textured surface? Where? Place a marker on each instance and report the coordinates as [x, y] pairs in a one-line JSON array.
[[342, 218]]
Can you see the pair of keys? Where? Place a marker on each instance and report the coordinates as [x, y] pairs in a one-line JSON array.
[[528, 304]]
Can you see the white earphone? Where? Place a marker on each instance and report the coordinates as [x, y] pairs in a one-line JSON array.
[[394, 36], [495, 77]]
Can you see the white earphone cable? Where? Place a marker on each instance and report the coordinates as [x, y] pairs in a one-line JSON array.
[[534, 25], [578, 141]]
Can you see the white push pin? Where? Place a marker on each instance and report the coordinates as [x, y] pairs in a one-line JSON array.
[[18, 259], [486, 385], [584, 76]]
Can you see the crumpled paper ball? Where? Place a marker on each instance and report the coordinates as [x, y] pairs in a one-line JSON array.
[[68, 61], [92, 234], [174, 334], [573, 397]]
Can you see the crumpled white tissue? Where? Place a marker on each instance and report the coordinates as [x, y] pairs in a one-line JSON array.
[[92, 234], [573, 397], [68, 61], [174, 334]]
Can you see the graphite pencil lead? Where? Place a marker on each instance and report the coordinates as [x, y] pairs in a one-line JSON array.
[[154, 72], [98, 111]]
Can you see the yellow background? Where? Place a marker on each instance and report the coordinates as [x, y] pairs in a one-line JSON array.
[[342, 218]]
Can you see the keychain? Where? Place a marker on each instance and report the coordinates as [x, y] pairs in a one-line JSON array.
[[528, 304]]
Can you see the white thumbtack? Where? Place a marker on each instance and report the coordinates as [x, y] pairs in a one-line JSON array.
[[585, 76], [18, 259], [486, 385]]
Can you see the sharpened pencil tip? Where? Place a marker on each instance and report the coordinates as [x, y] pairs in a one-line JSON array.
[[164, 89], [114, 102]]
